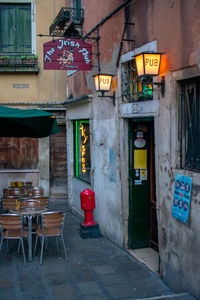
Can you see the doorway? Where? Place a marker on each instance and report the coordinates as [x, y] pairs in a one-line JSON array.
[[142, 225], [58, 164]]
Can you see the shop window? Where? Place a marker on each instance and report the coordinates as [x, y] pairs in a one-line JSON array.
[[15, 28], [82, 150], [133, 87], [189, 131]]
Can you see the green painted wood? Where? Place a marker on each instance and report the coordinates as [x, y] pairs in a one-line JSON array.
[[138, 229], [15, 28]]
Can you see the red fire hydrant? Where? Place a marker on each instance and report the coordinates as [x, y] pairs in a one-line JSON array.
[[88, 204]]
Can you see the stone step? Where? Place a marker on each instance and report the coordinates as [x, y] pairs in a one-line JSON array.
[[180, 296]]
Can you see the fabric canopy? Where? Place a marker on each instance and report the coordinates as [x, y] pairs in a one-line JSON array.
[[34, 123]]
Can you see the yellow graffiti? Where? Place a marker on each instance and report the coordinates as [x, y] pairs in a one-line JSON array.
[[83, 130], [83, 150]]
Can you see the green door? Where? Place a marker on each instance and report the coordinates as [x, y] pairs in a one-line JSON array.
[[140, 143]]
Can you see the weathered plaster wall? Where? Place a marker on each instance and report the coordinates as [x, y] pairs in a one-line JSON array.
[[43, 163], [106, 169]]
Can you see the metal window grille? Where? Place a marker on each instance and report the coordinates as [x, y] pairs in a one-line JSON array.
[[190, 125], [134, 88]]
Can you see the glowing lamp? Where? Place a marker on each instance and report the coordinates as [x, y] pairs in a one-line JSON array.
[[148, 63], [103, 82]]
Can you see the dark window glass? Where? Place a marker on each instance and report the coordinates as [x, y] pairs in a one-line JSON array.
[[15, 28], [82, 150], [190, 125]]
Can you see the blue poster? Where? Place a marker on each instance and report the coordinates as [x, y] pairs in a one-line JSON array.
[[181, 201]]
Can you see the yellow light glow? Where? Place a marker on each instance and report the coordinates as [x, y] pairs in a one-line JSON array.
[[139, 64], [103, 82], [152, 63], [148, 63]]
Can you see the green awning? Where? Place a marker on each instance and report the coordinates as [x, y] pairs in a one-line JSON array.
[[34, 123]]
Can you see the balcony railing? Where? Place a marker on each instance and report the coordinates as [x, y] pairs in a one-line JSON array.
[[67, 18]]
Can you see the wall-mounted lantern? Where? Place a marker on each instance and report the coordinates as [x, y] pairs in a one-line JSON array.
[[148, 65], [103, 84]]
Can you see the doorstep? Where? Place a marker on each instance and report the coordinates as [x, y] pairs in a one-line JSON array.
[[148, 256]]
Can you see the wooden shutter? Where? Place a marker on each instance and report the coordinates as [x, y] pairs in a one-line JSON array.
[[23, 29], [15, 28]]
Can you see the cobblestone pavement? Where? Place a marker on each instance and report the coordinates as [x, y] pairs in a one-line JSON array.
[[97, 270]]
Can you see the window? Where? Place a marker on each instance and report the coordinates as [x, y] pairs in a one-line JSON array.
[[190, 125], [82, 150], [134, 88], [15, 28]]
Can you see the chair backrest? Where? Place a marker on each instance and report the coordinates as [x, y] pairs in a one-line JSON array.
[[44, 201], [53, 219], [10, 202], [29, 203], [10, 222], [37, 191], [14, 192]]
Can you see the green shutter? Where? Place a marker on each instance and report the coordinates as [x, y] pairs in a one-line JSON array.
[[78, 4], [23, 29], [15, 28], [7, 28]]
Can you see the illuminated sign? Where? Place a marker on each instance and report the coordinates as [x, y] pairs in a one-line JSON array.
[[148, 63], [67, 54], [84, 139], [82, 150], [102, 82]]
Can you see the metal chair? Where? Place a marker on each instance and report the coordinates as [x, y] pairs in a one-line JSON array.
[[52, 226], [37, 191], [44, 201], [11, 226], [10, 202], [31, 203]]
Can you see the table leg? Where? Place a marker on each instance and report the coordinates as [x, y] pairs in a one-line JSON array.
[[30, 237]]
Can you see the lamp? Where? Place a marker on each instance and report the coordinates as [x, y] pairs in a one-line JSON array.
[[103, 84], [148, 65]]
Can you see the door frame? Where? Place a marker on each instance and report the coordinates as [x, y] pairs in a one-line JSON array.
[[130, 185]]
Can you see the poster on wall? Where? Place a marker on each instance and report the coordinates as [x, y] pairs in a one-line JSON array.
[[67, 54], [181, 201]]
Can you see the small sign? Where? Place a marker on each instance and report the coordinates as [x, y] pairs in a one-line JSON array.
[[139, 143], [138, 182], [140, 159], [143, 174], [181, 201], [67, 54]]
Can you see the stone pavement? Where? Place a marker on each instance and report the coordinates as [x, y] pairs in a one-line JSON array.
[[97, 270]]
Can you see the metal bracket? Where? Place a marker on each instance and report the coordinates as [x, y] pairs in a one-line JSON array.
[[162, 85], [111, 97]]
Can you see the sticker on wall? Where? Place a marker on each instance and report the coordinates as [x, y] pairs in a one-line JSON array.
[[139, 143], [143, 174], [138, 182], [137, 173], [139, 134], [181, 201], [140, 159]]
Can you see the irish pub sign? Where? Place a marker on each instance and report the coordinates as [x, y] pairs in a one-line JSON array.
[[67, 54]]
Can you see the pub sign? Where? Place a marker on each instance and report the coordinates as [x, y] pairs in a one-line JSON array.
[[67, 54]]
